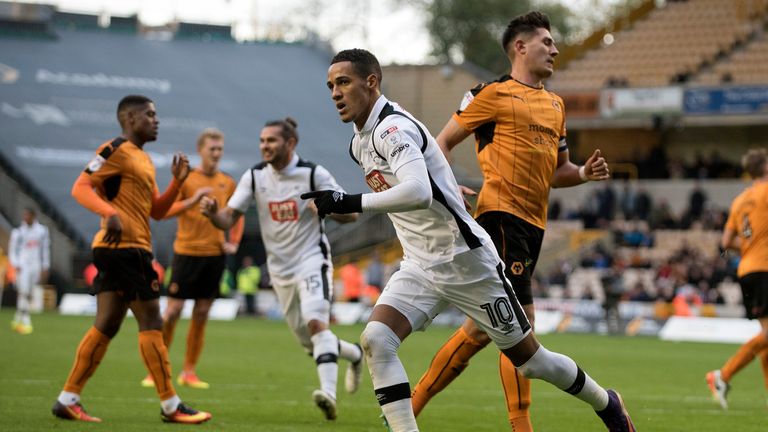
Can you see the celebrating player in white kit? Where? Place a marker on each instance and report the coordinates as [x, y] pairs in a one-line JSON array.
[[449, 258], [298, 252], [29, 252]]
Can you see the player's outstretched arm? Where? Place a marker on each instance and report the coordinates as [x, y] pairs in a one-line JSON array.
[[222, 219], [451, 135], [413, 193], [569, 174]]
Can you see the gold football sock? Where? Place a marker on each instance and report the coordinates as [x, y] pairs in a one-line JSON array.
[[89, 353], [452, 358], [517, 393], [194, 344], [155, 356], [743, 356]]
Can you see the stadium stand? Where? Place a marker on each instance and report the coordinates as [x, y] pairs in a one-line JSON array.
[[58, 99], [670, 45], [746, 65]]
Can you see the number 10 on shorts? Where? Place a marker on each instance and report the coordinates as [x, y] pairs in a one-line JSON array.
[[500, 314]]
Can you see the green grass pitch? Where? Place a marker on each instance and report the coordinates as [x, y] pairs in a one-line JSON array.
[[261, 381]]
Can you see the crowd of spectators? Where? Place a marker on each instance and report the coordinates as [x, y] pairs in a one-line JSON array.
[[686, 272], [605, 206], [658, 165]]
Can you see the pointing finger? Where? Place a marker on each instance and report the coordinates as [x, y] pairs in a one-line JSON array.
[[309, 195]]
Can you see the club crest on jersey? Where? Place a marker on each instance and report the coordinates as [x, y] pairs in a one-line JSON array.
[[284, 211], [392, 136], [556, 105], [376, 181]]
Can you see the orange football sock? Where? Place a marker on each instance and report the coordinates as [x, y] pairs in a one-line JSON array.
[[517, 393], [155, 356], [743, 356], [194, 345], [89, 353], [448, 363], [764, 365], [169, 327]]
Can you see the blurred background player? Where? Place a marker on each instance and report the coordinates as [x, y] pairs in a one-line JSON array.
[[520, 133], [298, 252], [200, 253], [119, 185], [29, 252], [747, 231], [448, 257]]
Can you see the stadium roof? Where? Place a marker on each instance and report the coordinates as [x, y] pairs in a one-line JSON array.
[[58, 99]]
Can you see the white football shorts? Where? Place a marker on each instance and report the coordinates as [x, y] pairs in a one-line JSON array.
[[474, 282]]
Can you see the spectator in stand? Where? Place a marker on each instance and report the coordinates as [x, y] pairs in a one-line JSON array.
[[589, 209], [643, 204], [662, 217], [696, 202], [606, 206], [628, 201]]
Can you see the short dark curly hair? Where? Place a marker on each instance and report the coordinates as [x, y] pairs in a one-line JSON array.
[[363, 62], [524, 24], [131, 101], [754, 162]]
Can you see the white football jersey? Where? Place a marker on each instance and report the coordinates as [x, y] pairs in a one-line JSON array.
[[30, 247], [291, 231], [391, 138]]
